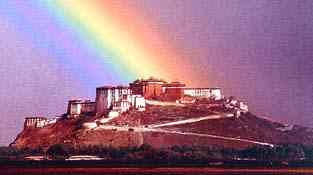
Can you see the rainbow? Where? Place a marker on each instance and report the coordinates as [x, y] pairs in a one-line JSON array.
[[113, 39]]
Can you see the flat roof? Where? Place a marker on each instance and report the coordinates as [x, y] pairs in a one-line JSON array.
[[82, 102], [29, 118], [149, 80], [113, 87]]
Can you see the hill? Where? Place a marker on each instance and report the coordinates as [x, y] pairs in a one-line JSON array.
[[198, 124]]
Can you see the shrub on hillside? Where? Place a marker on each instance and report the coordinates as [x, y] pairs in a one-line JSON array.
[[58, 151]]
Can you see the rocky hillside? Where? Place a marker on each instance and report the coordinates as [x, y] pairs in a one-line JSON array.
[[164, 126]]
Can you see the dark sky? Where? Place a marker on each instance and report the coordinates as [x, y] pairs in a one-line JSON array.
[[261, 51], [258, 51]]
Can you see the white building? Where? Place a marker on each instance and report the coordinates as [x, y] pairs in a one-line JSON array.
[[138, 102], [42, 123], [213, 93], [34, 122], [38, 122], [118, 99], [121, 106], [54, 120], [216, 94], [78, 107], [107, 96]]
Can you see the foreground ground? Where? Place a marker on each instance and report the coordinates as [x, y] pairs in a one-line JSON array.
[[151, 171]]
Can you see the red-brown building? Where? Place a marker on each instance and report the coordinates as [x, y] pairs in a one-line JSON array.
[[149, 88], [158, 89], [173, 91]]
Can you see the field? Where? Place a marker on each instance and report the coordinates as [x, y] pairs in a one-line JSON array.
[[102, 167], [151, 171]]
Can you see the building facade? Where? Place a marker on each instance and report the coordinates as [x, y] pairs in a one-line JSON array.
[[121, 106], [213, 93], [138, 102], [39, 122], [216, 94], [173, 91], [107, 96], [35, 122], [149, 88], [79, 107]]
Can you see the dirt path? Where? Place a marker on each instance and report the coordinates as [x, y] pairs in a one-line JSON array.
[[159, 130], [191, 120]]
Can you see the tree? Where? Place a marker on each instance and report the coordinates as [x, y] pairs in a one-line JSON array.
[[58, 152], [291, 152], [7, 152]]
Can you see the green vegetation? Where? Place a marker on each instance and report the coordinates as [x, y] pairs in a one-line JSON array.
[[173, 154], [58, 152], [11, 153]]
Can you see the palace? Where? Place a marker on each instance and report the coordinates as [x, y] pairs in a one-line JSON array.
[[113, 100], [123, 98]]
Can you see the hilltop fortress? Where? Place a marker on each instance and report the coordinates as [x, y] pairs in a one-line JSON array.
[[161, 114], [122, 98], [111, 101]]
